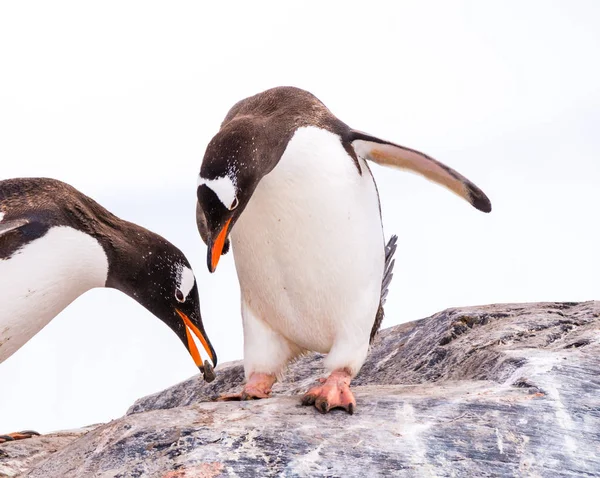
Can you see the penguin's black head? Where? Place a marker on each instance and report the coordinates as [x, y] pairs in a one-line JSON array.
[[219, 219], [159, 277], [235, 161]]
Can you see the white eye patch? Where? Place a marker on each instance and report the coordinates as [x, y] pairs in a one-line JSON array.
[[185, 280], [224, 188]]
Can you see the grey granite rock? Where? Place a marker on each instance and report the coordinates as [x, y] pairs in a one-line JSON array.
[[501, 390]]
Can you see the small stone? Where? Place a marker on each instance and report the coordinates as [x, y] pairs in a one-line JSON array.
[[209, 372]]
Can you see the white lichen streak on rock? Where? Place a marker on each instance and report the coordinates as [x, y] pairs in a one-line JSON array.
[[499, 441], [539, 363], [412, 430], [563, 417], [308, 463]]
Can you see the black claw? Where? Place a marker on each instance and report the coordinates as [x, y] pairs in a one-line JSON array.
[[30, 432], [6, 438], [351, 409], [323, 407], [248, 396], [308, 400]]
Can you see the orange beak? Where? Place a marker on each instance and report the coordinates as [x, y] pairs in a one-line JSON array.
[[189, 328], [217, 247]]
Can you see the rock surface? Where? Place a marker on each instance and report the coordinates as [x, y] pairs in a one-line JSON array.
[[19, 456], [500, 390]]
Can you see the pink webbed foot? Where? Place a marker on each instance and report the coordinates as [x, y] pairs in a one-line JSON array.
[[333, 393], [18, 436], [258, 386]]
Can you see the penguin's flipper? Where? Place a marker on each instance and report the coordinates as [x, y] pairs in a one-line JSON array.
[[11, 225], [203, 228], [390, 154]]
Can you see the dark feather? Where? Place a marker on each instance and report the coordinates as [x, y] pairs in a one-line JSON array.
[[8, 226], [390, 249]]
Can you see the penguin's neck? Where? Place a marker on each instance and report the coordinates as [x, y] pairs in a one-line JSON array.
[[129, 249], [123, 242]]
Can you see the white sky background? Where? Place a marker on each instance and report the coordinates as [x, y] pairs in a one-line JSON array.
[[120, 99]]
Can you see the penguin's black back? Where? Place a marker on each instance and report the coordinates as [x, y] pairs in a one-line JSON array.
[[45, 203]]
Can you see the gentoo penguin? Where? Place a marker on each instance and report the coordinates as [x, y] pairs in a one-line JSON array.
[[56, 243], [288, 182]]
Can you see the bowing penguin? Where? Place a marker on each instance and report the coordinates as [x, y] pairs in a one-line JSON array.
[[56, 243], [289, 183]]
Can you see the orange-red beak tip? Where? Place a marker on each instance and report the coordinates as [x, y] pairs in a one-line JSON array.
[[190, 327]]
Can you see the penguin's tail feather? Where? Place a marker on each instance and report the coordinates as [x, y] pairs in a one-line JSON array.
[[388, 269], [388, 272]]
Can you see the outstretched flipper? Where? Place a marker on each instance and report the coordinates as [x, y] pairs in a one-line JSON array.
[[11, 225], [390, 154], [18, 436]]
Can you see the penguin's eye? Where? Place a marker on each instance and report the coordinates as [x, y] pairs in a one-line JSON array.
[[234, 204], [179, 296]]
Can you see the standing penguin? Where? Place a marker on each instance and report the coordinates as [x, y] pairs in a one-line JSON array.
[[289, 183], [56, 244]]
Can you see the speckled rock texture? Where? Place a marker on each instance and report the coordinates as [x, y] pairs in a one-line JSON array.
[[19, 456], [499, 390]]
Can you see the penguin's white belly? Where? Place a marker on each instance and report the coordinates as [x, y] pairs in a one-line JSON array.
[[309, 248], [42, 278]]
